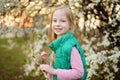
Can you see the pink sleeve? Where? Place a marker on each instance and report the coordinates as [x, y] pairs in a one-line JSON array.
[[77, 67]]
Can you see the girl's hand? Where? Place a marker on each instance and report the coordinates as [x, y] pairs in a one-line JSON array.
[[48, 68], [44, 55]]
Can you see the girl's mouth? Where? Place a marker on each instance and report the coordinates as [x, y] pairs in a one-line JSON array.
[[58, 29]]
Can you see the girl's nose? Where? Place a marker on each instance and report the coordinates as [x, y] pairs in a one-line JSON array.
[[57, 23]]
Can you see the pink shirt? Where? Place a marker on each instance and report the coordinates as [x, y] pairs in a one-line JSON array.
[[77, 70]]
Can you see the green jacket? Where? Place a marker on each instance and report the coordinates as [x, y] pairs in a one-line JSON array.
[[62, 48]]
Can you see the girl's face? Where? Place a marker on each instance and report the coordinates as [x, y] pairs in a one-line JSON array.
[[60, 23]]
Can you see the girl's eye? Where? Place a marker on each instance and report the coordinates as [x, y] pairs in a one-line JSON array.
[[54, 20], [63, 20]]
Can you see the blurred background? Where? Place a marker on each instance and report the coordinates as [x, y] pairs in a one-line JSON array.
[[24, 27]]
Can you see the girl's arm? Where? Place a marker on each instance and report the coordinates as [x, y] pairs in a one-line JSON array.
[[77, 70]]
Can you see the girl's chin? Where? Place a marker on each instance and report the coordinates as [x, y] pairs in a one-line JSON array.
[[58, 32]]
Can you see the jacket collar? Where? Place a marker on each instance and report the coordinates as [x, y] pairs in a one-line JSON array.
[[60, 41]]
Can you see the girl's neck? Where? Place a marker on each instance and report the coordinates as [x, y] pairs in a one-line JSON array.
[[61, 35], [58, 36]]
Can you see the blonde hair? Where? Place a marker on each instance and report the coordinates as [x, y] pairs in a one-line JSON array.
[[69, 15]]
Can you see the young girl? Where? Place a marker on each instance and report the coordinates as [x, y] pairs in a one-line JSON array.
[[67, 61]]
